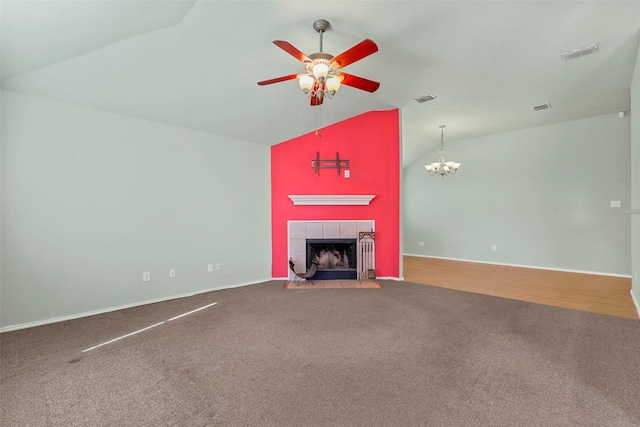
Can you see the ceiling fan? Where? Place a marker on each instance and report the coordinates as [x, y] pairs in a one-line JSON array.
[[322, 77]]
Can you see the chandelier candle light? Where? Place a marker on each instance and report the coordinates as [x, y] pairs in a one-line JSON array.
[[442, 167]]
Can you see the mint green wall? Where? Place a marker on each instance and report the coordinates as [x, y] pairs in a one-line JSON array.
[[90, 200], [541, 195], [635, 181]]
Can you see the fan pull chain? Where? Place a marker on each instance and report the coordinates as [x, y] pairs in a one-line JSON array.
[[319, 121]]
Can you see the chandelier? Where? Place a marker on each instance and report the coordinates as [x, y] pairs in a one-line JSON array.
[[442, 167]]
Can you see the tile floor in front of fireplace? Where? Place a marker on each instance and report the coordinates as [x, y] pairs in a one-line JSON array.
[[332, 284]]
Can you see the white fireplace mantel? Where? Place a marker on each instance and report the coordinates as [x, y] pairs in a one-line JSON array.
[[329, 199]]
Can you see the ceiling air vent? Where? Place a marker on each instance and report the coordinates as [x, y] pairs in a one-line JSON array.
[[587, 50], [542, 107], [425, 98]]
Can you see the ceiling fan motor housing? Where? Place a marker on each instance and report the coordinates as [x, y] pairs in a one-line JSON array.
[[320, 58]]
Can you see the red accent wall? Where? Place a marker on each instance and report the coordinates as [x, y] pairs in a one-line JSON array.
[[371, 143]]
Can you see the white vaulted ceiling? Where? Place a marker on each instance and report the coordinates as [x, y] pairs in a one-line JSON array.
[[196, 64]]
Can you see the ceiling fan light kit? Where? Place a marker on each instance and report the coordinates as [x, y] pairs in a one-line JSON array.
[[322, 77]]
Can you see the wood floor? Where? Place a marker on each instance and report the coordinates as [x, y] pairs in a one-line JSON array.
[[588, 292]]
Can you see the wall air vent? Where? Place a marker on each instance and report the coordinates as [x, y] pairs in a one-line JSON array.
[[592, 48], [542, 107], [425, 98]]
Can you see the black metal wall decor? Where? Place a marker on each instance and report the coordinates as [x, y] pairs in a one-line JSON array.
[[336, 163], [369, 234]]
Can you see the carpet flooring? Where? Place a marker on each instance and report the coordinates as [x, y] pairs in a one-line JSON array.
[[402, 355]]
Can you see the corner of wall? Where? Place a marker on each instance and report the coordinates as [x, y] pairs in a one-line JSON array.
[[635, 183]]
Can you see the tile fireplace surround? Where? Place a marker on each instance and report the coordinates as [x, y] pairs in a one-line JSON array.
[[300, 231]]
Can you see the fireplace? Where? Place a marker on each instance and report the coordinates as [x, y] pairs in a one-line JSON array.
[[336, 258], [341, 236]]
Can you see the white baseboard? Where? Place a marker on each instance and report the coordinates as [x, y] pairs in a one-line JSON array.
[[625, 276], [122, 307], [635, 302]]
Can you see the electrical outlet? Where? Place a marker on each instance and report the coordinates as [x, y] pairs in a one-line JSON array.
[[346, 174], [615, 203], [172, 272], [146, 276], [420, 243], [494, 248], [209, 268], [218, 266]]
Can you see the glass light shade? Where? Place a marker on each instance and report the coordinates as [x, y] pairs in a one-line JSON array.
[[429, 168], [333, 84], [456, 165], [320, 71], [306, 83]]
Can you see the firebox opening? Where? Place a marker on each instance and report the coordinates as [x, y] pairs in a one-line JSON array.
[[336, 258]]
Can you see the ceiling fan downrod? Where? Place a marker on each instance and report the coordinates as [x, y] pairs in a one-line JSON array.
[[321, 25]]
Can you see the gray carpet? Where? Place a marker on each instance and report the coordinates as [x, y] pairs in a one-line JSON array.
[[403, 355]]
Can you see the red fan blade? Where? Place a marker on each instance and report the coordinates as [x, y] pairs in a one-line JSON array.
[[359, 82], [356, 53], [278, 80], [292, 50]]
